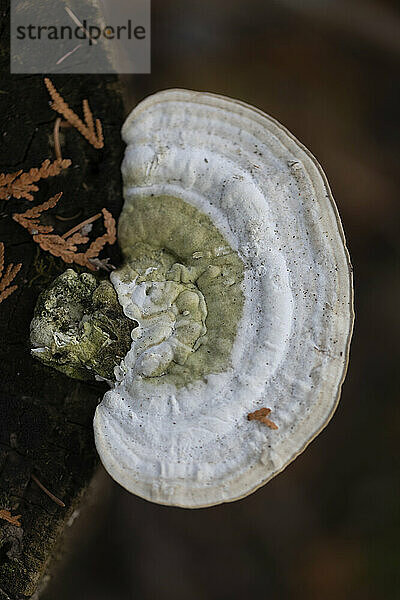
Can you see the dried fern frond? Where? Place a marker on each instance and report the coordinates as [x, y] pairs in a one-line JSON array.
[[6, 516], [262, 416], [57, 246], [65, 246], [78, 239], [99, 133], [36, 211], [8, 276], [21, 185], [30, 218], [109, 237], [88, 116], [89, 257], [110, 225], [7, 179], [91, 130]]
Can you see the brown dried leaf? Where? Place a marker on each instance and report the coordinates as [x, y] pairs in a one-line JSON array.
[[261, 415]]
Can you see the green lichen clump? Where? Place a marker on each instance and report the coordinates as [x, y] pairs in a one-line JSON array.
[[165, 239], [169, 307], [79, 327]]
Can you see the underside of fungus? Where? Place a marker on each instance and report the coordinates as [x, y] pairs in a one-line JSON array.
[[237, 286]]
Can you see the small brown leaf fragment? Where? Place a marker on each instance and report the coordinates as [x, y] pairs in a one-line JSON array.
[[6, 516], [262, 416]]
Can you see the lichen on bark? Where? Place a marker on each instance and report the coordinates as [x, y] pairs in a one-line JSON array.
[[79, 327]]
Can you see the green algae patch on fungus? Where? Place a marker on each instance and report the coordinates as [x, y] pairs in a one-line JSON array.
[[79, 327], [182, 282]]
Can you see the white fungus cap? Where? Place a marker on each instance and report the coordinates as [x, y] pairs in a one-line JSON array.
[[193, 445]]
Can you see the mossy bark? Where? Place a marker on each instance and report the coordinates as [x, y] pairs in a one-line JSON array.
[[45, 417]]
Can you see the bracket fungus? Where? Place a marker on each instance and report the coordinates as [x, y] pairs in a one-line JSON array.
[[237, 284]]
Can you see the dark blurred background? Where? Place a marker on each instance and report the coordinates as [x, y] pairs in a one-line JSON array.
[[329, 526]]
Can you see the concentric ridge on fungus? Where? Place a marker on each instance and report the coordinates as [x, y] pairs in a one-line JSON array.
[[237, 289]]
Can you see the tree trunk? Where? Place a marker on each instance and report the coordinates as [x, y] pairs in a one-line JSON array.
[[46, 418]]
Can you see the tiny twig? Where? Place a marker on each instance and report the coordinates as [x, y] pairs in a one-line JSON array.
[[60, 60], [6, 516], [77, 22], [46, 491], [57, 145], [80, 225]]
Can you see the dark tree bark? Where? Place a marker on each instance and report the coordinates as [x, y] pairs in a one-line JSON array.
[[46, 418]]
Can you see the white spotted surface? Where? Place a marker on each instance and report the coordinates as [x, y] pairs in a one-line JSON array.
[[193, 446]]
